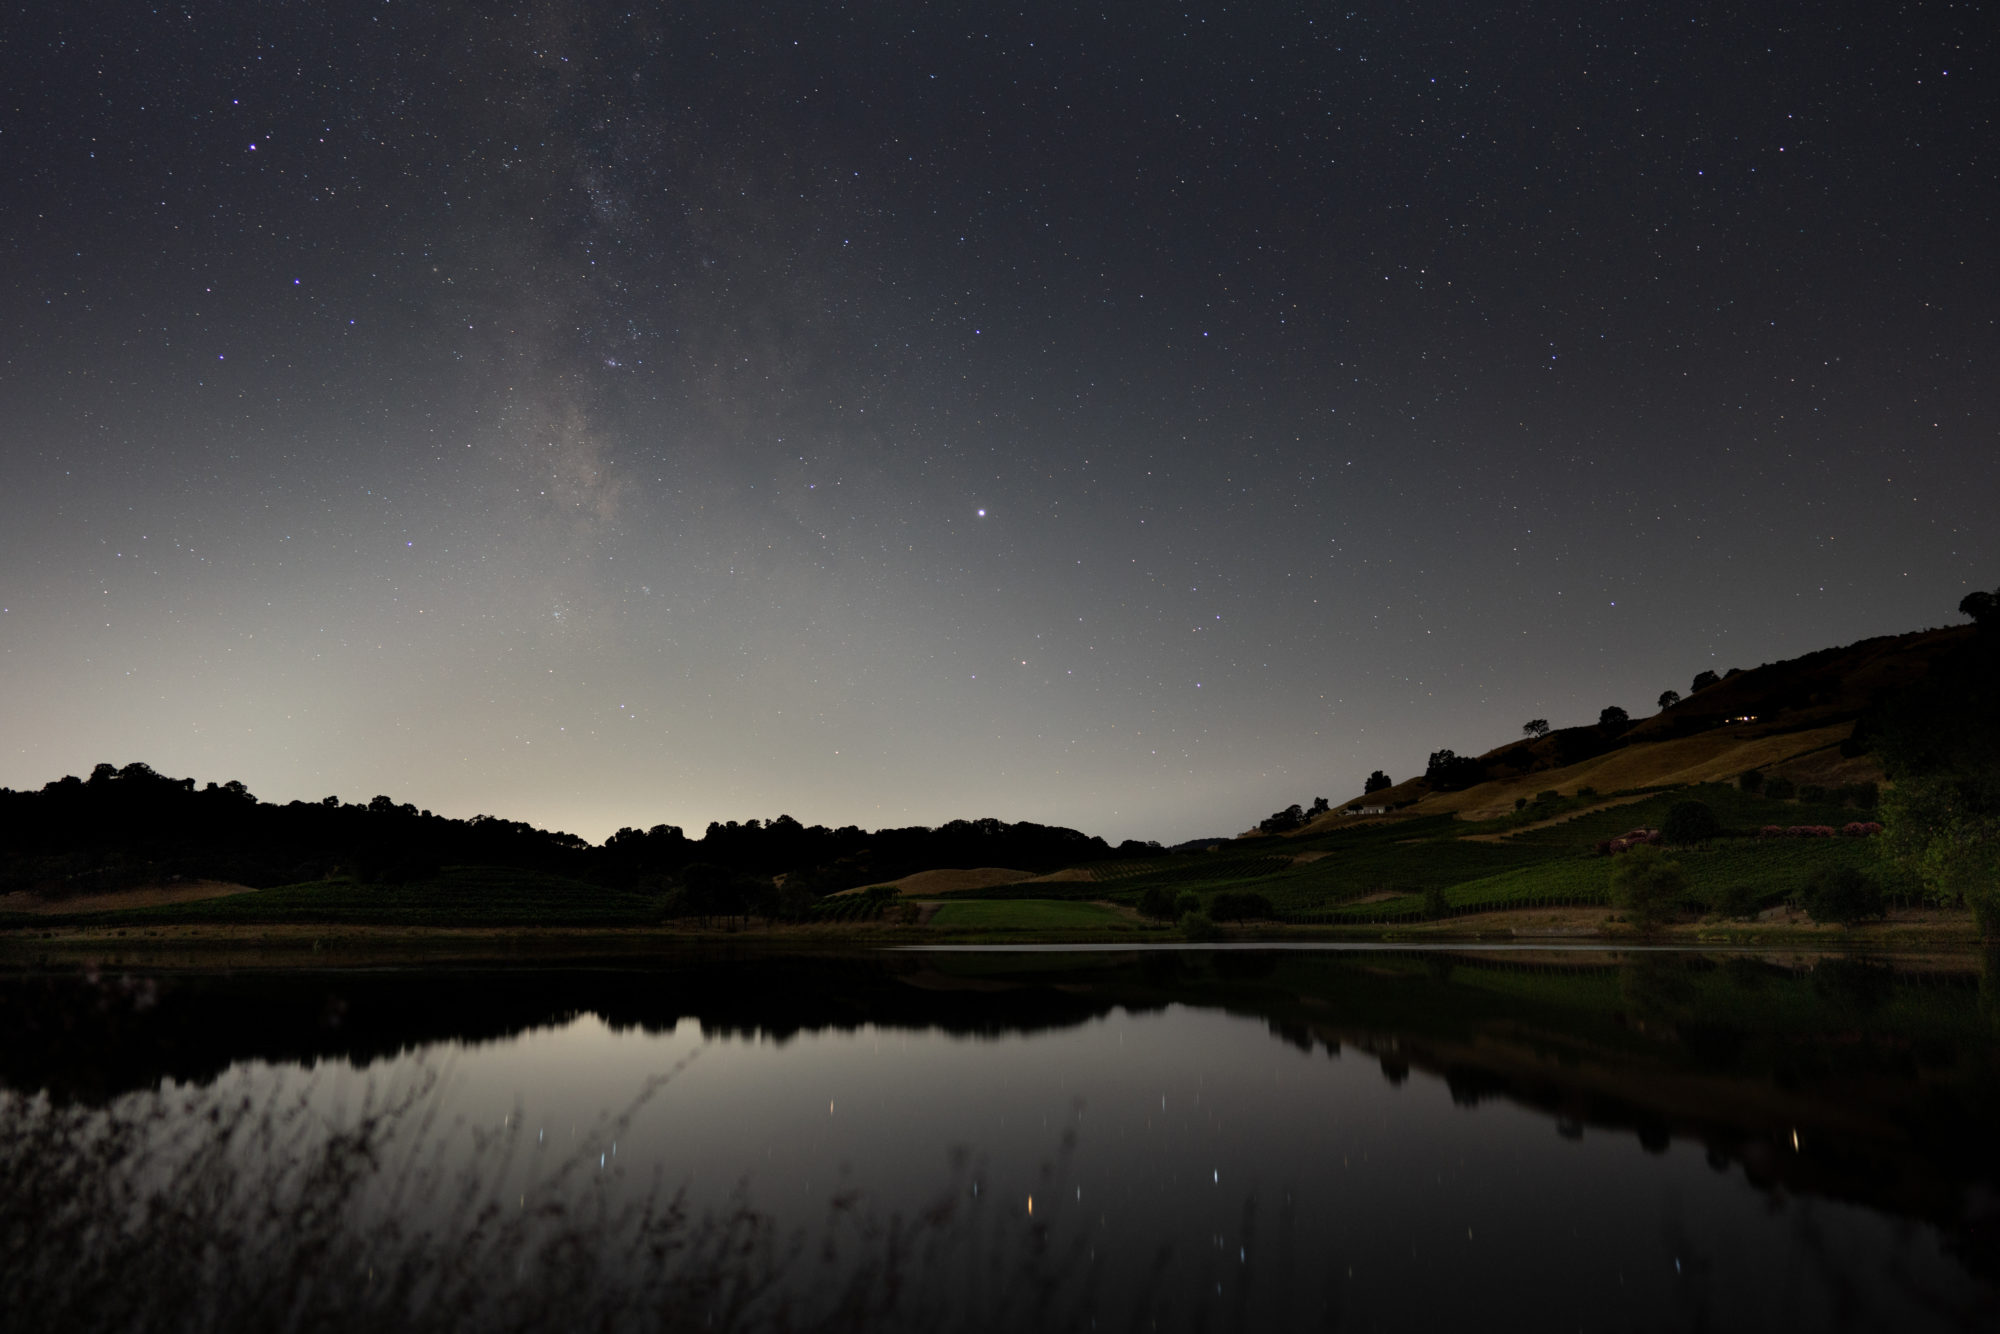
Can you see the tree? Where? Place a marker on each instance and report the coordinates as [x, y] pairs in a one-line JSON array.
[[1157, 903], [1613, 719], [1448, 771], [1535, 727], [1940, 742], [1669, 698], [1647, 884], [1320, 806], [1841, 894], [1377, 781], [1982, 607], [1690, 822], [1702, 681]]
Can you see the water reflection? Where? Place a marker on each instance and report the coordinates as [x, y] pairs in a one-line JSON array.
[[1195, 1139]]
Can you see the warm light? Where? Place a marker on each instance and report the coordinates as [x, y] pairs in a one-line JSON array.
[[1031, 1206]]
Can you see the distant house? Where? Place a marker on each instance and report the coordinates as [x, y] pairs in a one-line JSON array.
[[1369, 810]]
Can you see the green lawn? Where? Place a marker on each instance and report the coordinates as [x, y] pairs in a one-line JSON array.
[[1029, 915]]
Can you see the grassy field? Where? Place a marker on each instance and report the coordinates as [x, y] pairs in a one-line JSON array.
[[1029, 915], [1521, 860], [456, 896]]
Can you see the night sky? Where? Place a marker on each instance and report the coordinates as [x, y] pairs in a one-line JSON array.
[[1112, 416]]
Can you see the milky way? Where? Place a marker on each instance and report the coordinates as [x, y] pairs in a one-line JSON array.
[[1133, 420]]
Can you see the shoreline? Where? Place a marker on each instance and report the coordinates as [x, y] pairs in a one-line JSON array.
[[307, 945]]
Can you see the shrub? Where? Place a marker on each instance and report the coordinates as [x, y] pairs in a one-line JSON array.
[[1520, 803], [1241, 906], [1188, 902], [1199, 926], [1158, 904], [1750, 780], [1812, 792], [1690, 822], [1861, 829], [1737, 900], [1648, 885], [1780, 789], [1841, 894]]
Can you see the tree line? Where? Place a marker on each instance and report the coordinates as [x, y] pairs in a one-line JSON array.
[[133, 825]]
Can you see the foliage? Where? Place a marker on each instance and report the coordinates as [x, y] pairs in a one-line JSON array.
[[1690, 822], [1940, 741], [1187, 903], [1448, 771], [1842, 894], [1613, 719], [1377, 782], [1702, 681], [1029, 915], [1290, 818], [1780, 788], [1648, 885], [1157, 902], [1535, 727], [1750, 780], [1199, 926], [1669, 698], [1436, 903], [1946, 829]]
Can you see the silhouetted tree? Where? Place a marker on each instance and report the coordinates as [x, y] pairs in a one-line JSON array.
[[1702, 681], [1377, 781], [1613, 719], [1535, 727], [1669, 698], [1449, 771]]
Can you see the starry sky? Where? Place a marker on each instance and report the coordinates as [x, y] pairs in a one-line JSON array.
[[1129, 417]]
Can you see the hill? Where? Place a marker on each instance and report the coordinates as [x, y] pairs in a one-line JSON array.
[[1794, 719]]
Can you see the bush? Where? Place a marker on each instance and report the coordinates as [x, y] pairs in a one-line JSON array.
[[1188, 902], [1842, 894], [1750, 780], [1241, 906], [1158, 904], [1520, 803], [1738, 900], [1648, 885], [1780, 789], [1690, 822], [1199, 926], [1813, 793]]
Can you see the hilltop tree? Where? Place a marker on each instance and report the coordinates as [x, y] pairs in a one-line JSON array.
[[1613, 719], [1982, 607], [1448, 771], [1535, 727], [1377, 781], [1669, 698], [1703, 680]]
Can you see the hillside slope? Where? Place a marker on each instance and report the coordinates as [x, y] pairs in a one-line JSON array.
[[1794, 719]]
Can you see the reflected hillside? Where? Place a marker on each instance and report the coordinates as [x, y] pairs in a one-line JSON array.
[[1840, 1077]]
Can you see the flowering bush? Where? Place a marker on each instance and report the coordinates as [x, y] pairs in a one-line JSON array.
[[1861, 828]]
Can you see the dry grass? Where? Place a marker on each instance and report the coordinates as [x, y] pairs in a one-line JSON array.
[[945, 880], [1709, 757], [139, 896]]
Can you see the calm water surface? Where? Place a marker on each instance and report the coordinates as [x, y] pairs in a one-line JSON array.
[[1233, 1139]]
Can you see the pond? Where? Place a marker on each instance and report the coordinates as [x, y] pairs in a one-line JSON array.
[[1117, 1139]]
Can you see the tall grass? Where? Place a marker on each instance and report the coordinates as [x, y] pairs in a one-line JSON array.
[[210, 1211]]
